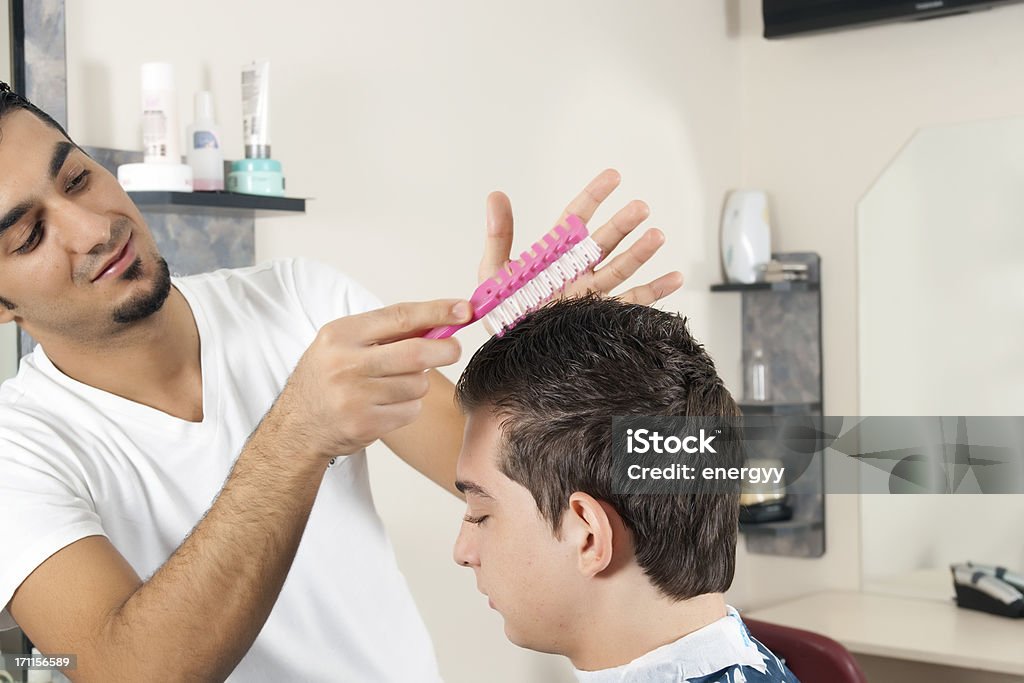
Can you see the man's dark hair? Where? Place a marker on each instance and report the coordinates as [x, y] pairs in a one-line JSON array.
[[10, 101], [556, 380]]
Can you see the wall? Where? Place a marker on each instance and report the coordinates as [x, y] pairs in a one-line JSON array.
[[399, 118], [8, 350], [5, 45], [8, 344], [824, 115]]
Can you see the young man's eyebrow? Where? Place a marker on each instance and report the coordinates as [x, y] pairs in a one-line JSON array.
[[13, 216], [471, 487], [60, 153]]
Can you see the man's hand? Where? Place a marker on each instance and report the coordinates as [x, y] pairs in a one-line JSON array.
[[364, 376], [614, 272]]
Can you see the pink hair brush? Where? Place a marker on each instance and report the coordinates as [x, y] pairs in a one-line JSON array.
[[525, 284]]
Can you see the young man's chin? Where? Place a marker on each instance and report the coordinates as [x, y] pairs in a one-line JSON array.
[[529, 641]]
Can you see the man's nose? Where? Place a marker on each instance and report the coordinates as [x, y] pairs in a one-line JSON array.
[[80, 229], [465, 552]]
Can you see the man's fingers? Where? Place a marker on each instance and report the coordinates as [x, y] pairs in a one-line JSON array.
[[587, 201], [621, 225], [401, 321], [399, 388], [622, 267], [397, 415], [410, 356], [498, 242], [654, 290]]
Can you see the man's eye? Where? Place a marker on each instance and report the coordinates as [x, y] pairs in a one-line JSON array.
[[475, 520], [32, 241], [77, 181]]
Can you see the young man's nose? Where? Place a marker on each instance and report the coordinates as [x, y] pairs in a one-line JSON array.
[[465, 553], [80, 229]]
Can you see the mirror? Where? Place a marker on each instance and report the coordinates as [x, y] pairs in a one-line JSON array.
[[8, 332], [941, 308]]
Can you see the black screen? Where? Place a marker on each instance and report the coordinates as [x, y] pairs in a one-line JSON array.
[[786, 17]]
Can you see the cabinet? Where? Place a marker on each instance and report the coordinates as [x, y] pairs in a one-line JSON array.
[[784, 321]]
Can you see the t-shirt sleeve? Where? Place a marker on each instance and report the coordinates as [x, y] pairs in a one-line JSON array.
[[326, 294], [41, 513]]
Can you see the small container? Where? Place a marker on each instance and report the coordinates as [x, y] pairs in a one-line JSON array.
[[758, 378], [205, 155], [161, 167], [159, 115], [256, 176]]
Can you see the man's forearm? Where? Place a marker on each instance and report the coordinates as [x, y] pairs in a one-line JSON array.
[[201, 611], [431, 444]]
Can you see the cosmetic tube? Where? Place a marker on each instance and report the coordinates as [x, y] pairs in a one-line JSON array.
[[256, 109]]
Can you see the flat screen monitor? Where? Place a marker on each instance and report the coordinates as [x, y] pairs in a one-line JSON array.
[[788, 17]]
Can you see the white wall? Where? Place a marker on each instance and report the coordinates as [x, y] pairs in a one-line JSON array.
[[824, 115], [5, 47], [8, 350], [8, 346], [399, 118]]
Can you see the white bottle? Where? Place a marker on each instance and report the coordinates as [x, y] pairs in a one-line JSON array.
[[758, 377], [159, 115], [205, 155]]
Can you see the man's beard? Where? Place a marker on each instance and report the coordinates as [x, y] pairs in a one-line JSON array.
[[147, 303]]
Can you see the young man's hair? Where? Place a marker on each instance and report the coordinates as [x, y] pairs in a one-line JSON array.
[[556, 380], [11, 101]]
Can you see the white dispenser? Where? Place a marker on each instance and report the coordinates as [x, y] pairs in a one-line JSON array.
[[746, 235], [205, 155]]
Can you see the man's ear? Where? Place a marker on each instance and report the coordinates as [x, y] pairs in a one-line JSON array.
[[587, 526], [6, 315]]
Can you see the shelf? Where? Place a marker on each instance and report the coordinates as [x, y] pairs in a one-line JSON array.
[[217, 203], [779, 407], [782, 528], [791, 286]]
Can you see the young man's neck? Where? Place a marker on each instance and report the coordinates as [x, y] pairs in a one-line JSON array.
[[630, 623], [156, 363]]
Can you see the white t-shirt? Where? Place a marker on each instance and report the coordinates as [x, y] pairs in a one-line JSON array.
[[76, 461]]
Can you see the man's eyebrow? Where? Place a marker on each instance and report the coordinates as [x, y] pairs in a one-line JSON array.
[[60, 153], [470, 487], [13, 216]]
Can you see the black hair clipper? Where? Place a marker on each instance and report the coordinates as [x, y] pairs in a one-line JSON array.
[[989, 589]]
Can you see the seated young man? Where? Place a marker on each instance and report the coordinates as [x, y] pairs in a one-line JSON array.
[[628, 587]]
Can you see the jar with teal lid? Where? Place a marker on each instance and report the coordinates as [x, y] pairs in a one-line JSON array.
[[256, 176]]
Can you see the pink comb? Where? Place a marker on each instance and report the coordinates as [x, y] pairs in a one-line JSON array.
[[537, 275]]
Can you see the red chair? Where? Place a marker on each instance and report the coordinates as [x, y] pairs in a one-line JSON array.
[[811, 656]]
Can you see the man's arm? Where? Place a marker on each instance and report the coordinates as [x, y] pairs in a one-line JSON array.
[[431, 444], [200, 612]]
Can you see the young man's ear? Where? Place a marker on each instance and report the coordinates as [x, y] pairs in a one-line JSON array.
[[6, 314], [589, 526]]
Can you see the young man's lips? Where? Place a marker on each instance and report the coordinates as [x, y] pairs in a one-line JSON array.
[[122, 260]]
